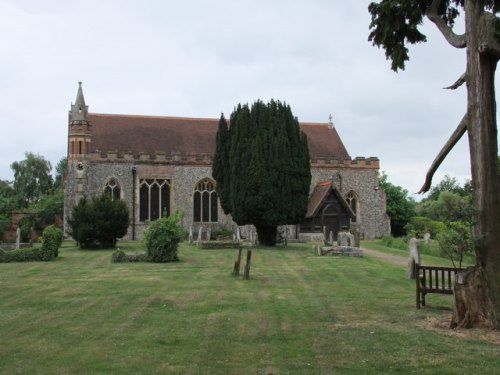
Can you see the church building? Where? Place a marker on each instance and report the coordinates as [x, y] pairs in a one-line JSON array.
[[159, 164]]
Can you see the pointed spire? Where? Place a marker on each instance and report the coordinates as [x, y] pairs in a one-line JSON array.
[[79, 110]]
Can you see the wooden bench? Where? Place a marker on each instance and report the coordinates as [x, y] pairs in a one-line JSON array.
[[432, 279]]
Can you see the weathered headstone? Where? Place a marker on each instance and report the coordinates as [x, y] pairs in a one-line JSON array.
[[414, 258], [238, 234], [200, 234], [190, 234], [18, 238], [330, 238], [209, 233], [427, 237]]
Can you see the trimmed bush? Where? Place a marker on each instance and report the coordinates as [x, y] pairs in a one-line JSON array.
[[52, 238], [162, 238], [99, 222], [51, 241]]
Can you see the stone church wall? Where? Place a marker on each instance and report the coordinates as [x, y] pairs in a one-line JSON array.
[[93, 175]]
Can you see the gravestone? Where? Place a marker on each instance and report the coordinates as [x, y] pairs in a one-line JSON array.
[[427, 238], [209, 233], [190, 234], [414, 258], [200, 234], [346, 239], [18, 238]]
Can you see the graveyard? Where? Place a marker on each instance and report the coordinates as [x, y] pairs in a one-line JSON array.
[[298, 313]]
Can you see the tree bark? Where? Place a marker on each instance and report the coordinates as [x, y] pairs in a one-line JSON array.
[[477, 294], [266, 234]]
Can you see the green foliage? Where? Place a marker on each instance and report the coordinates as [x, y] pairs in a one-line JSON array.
[[400, 207], [61, 167], [26, 226], [52, 239], [99, 222], [395, 243], [32, 178], [220, 166], [4, 223], [162, 238], [449, 184], [419, 225], [395, 23], [120, 256], [456, 242], [47, 208], [448, 207], [261, 165]]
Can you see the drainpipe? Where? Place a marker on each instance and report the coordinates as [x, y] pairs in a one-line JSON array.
[[134, 171]]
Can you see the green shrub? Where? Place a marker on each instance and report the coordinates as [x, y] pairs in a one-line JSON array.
[[99, 222], [162, 238], [21, 255], [119, 256], [52, 238]]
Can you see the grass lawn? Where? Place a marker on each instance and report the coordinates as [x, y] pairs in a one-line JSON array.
[[298, 314]]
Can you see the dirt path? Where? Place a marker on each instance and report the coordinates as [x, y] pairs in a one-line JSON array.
[[394, 259]]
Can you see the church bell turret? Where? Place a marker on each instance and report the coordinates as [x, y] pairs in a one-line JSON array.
[[79, 128]]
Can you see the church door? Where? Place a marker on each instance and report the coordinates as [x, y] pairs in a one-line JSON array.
[[330, 220]]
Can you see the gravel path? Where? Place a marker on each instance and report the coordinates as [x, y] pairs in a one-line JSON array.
[[394, 259]]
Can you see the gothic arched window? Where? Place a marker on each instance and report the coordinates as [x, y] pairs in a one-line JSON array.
[[205, 202], [112, 189], [154, 199], [353, 201]]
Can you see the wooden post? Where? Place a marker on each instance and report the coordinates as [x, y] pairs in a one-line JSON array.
[[246, 274], [237, 262]]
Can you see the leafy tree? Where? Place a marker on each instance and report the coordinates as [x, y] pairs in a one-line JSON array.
[[99, 222], [400, 207], [48, 208], [61, 167], [449, 184], [32, 178], [261, 165], [394, 24], [8, 203], [455, 242]]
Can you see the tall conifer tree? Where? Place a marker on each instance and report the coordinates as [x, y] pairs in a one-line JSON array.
[[262, 168]]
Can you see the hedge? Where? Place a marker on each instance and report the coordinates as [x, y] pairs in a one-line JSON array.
[[51, 241]]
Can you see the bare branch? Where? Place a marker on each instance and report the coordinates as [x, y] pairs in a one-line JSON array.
[[459, 82], [452, 141], [457, 41]]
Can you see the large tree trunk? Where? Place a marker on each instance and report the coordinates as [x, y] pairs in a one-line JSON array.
[[267, 234], [477, 294]]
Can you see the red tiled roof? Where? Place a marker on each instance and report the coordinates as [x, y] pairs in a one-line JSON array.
[[318, 196], [321, 191], [188, 135]]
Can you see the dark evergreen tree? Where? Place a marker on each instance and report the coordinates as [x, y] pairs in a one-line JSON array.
[[220, 163], [99, 222], [262, 168]]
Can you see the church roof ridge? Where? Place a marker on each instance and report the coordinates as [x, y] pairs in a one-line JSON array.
[[122, 115]]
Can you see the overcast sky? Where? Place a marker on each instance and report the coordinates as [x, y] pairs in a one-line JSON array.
[[197, 58]]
